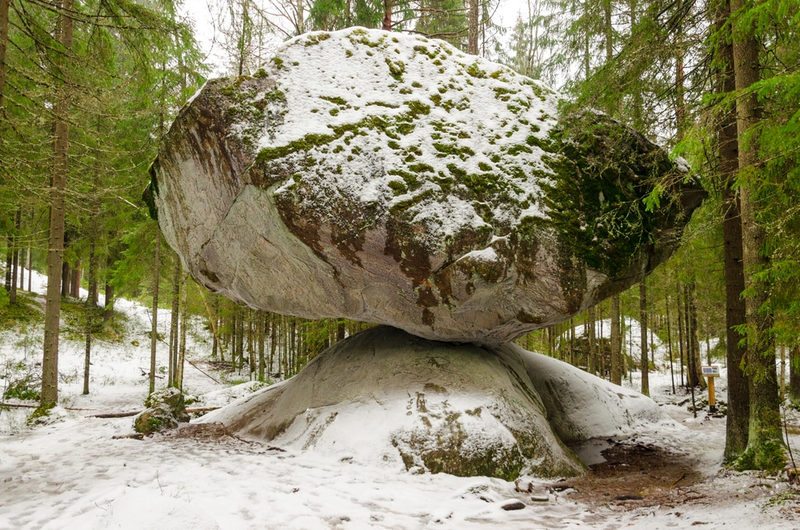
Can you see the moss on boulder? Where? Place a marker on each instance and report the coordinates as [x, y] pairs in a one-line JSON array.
[[369, 196], [165, 410]]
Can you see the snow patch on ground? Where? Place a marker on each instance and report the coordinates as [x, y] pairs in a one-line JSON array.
[[74, 474]]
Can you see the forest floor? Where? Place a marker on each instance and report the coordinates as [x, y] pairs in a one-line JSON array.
[[77, 471]]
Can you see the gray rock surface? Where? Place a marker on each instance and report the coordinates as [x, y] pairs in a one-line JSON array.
[[392, 179], [384, 397]]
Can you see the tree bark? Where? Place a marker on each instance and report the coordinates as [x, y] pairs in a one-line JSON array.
[[591, 361], [669, 344], [182, 347], [616, 342], [696, 376], [9, 261], [75, 283], [643, 337], [30, 269], [4, 4], [474, 27], [173, 325], [794, 374], [681, 331], [12, 295], [738, 417], [22, 271], [765, 446], [65, 276], [154, 327], [91, 299], [261, 323], [387, 15], [55, 249]]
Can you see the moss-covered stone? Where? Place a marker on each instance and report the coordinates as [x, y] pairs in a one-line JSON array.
[[165, 410]]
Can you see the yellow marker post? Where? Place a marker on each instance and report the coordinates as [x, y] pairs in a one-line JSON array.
[[710, 372]]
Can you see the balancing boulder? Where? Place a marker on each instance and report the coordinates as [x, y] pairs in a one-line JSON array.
[[393, 179]]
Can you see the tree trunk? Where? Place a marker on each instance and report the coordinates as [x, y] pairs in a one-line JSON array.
[[737, 419], [616, 342], [474, 27], [643, 337], [55, 249], [261, 323], [765, 446], [12, 295], [173, 323], [794, 374], [387, 15], [30, 269], [681, 331], [75, 282], [3, 45], [108, 303], [696, 375], [91, 298], [669, 345], [179, 364], [240, 337], [9, 261], [251, 351], [591, 360], [301, 24], [65, 276], [154, 323], [608, 29], [273, 343], [22, 271], [782, 393]]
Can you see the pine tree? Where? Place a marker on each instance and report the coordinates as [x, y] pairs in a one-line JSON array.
[[764, 446], [58, 183]]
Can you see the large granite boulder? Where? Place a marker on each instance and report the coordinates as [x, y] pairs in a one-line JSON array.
[[393, 179], [387, 398]]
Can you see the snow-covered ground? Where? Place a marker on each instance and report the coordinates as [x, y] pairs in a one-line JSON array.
[[80, 472]]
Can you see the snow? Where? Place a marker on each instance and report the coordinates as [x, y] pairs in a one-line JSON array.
[[632, 339], [593, 407], [74, 474], [351, 78], [487, 254]]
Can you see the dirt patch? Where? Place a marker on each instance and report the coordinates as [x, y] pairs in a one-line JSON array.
[[215, 433], [636, 474], [203, 432]]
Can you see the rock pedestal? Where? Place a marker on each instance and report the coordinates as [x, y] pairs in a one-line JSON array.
[[392, 179], [384, 397]]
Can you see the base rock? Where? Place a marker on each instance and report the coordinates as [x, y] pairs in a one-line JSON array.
[[385, 397]]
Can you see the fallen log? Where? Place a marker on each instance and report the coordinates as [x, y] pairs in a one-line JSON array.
[[135, 412], [24, 406], [105, 415]]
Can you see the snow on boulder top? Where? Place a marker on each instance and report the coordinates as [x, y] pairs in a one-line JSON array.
[[404, 123], [393, 179]]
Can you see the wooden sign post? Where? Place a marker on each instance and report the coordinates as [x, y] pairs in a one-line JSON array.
[[710, 372]]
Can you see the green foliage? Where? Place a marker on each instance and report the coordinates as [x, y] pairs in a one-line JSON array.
[[608, 222], [769, 455], [25, 312], [26, 388]]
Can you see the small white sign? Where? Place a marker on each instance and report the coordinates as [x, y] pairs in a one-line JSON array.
[[710, 371]]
